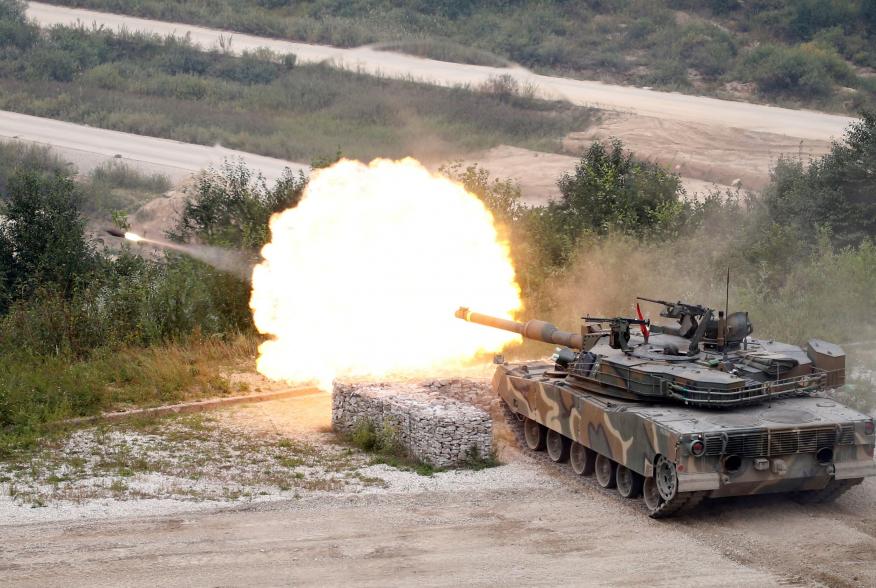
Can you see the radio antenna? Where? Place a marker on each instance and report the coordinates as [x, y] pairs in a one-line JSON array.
[[726, 312]]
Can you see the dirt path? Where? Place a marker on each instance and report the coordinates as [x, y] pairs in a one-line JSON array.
[[87, 147], [572, 534], [543, 538], [562, 529]]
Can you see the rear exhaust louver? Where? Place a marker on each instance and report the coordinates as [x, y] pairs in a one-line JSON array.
[[767, 443]]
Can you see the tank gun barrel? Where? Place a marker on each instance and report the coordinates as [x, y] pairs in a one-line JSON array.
[[534, 329]]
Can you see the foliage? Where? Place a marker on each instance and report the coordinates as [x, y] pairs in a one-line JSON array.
[[231, 207], [39, 389], [835, 191], [17, 157], [38, 206], [15, 32], [677, 44], [385, 447], [611, 190], [807, 70], [260, 102], [74, 321]]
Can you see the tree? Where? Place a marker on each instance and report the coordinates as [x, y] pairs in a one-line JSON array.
[[610, 190], [231, 206], [42, 237], [835, 191], [15, 31]]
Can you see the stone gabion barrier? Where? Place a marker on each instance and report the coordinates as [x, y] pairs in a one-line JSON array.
[[440, 422]]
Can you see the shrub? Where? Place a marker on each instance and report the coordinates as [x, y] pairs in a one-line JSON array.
[[251, 68], [707, 49], [610, 190], [14, 29], [806, 70], [232, 206], [834, 191], [41, 205]]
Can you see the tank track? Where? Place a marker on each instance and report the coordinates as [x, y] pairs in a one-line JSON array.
[[833, 490], [681, 504]]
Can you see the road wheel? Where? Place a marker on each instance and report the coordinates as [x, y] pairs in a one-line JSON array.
[[582, 459], [535, 435], [666, 478], [629, 483], [651, 495], [606, 471], [557, 446]]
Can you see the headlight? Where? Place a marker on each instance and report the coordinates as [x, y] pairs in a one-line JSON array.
[[697, 447]]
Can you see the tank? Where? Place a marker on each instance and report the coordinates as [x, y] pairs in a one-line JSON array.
[[694, 409]]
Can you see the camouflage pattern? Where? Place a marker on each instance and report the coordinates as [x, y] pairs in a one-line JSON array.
[[776, 443], [692, 410]]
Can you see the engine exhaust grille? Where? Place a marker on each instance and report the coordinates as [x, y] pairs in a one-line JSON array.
[[778, 442]]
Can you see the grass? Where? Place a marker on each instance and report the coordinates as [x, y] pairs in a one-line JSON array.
[[694, 47], [39, 390], [110, 187], [384, 446], [167, 88], [115, 187], [189, 457]]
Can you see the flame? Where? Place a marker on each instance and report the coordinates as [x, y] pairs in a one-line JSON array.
[[362, 278], [133, 237]]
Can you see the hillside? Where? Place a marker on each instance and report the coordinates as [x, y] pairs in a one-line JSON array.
[[812, 53]]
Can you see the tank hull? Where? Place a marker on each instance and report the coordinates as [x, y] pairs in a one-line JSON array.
[[789, 445]]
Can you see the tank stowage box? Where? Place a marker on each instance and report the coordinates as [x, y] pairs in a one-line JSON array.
[[697, 409]]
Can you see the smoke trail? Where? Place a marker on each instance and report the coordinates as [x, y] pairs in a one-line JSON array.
[[226, 260]]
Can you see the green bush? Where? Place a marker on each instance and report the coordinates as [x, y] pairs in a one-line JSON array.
[[707, 49], [835, 191], [41, 205], [15, 32], [634, 41], [803, 70], [610, 190], [231, 207], [367, 437]]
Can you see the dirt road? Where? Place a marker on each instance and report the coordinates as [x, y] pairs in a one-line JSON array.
[[802, 124], [569, 535], [87, 147], [562, 530]]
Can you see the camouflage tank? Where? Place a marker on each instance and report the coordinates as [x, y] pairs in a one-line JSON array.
[[678, 413]]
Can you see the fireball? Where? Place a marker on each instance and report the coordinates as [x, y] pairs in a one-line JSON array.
[[362, 278]]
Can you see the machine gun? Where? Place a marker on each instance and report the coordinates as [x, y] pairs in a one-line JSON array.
[[620, 329], [688, 316], [693, 319]]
